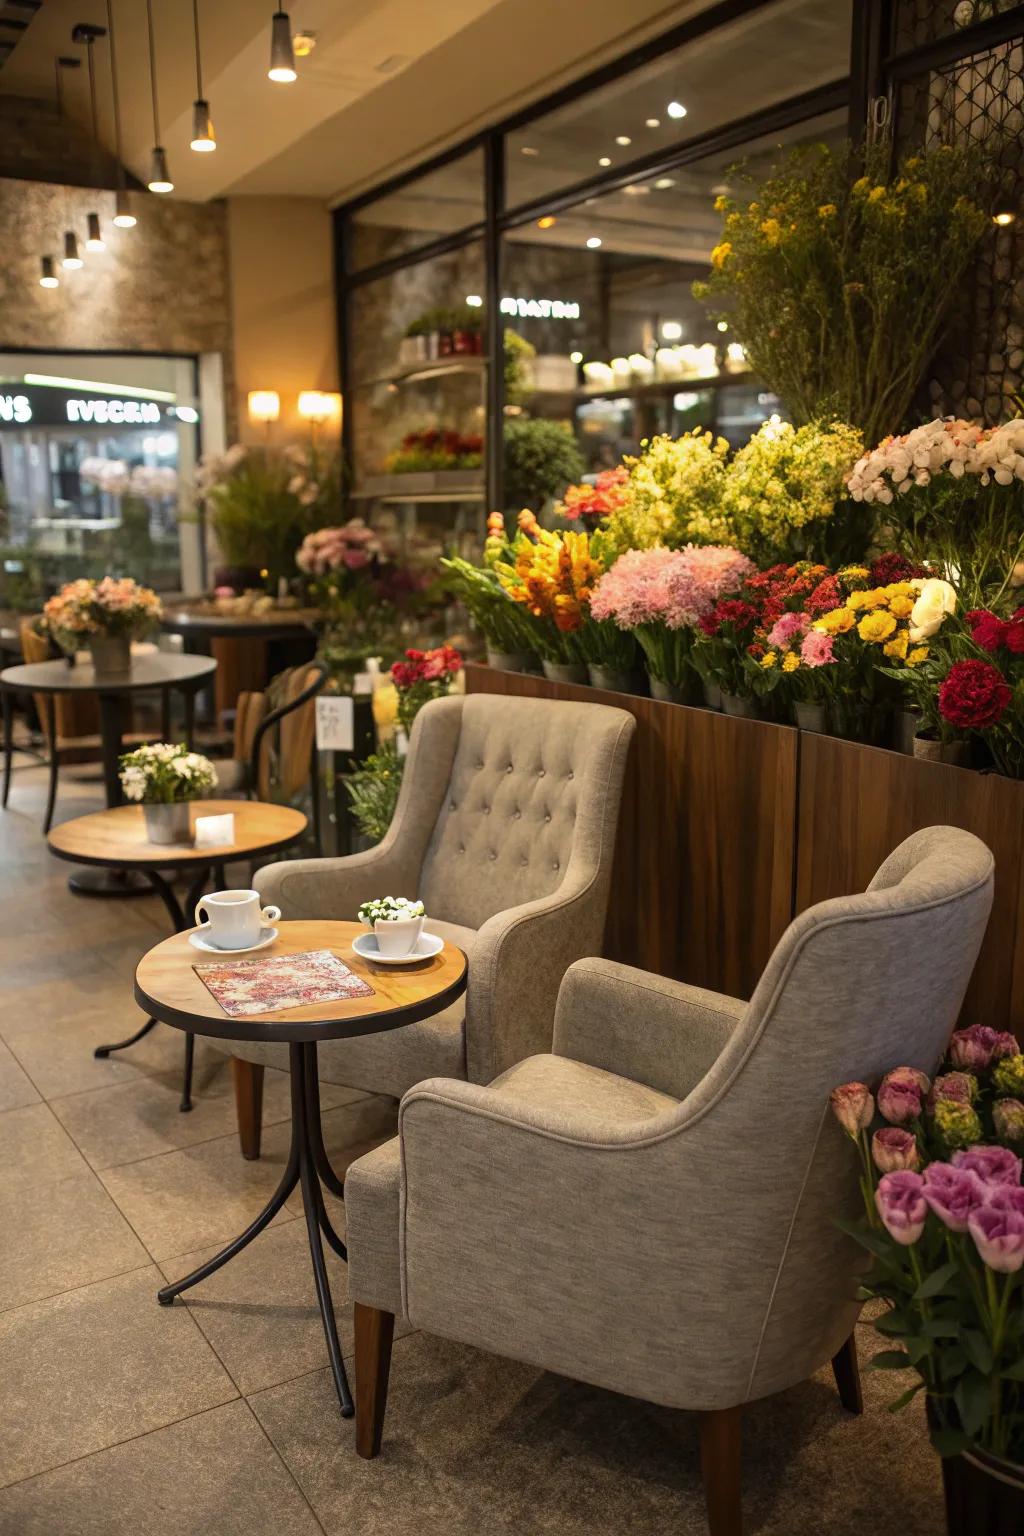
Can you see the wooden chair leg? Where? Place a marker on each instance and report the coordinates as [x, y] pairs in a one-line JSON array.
[[248, 1076], [846, 1370], [720, 1441], [374, 1334]]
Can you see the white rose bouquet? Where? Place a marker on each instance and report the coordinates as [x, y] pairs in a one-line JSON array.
[[165, 774]]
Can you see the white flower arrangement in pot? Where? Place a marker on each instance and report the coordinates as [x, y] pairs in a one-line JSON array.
[[165, 777], [396, 922]]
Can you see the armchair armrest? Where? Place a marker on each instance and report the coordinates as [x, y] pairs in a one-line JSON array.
[[336, 888], [664, 1033]]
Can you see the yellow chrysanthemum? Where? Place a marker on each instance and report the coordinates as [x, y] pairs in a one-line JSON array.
[[837, 622], [827, 211], [901, 606], [873, 597], [917, 655], [769, 659], [790, 662], [897, 646], [720, 255], [721, 203], [876, 627], [855, 572], [772, 230]]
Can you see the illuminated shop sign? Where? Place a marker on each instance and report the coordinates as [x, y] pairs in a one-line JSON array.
[[15, 408], [43, 406], [540, 309], [114, 412]]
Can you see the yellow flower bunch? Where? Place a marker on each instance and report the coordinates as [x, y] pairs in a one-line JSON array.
[[674, 496], [553, 576], [784, 484], [879, 616]]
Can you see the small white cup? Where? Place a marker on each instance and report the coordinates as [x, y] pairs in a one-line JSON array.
[[398, 937], [236, 918]]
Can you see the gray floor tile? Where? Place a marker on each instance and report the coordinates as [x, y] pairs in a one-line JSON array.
[[15, 1087], [55, 1042], [82, 1371], [211, 1475], [35, 1149], [59, 1234]]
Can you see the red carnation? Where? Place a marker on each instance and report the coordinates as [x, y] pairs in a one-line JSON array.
[[1015, 636], [891, 568], [987, 630], [974, 695]]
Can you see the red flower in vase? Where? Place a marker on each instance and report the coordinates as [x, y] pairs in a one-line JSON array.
[[974, 695]]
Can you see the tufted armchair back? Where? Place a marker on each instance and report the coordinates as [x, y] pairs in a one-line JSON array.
[[526, 806]]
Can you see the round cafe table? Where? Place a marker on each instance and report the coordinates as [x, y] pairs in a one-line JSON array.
[[116, 839], [167, 986]]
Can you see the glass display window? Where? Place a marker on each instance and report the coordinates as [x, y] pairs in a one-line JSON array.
[[440, 203]]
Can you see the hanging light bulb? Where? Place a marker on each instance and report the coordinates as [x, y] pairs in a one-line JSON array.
[[71, 260], [123, 216], [94, 240], [159, 176], [203, 138], [282, 54], [48, 277]]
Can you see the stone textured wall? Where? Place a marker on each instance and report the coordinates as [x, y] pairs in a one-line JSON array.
[[37, 144]]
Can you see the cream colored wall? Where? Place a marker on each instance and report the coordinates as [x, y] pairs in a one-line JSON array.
[[282, 305]]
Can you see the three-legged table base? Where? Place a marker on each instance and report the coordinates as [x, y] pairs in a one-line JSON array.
[[307, 1167]]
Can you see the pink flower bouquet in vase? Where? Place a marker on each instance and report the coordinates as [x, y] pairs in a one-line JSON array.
[[662, 595], [104, 615], [940, 1168]]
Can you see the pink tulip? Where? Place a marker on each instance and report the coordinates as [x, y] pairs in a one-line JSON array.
[[999, 1238], [1005, 1197], [975, 1048], [1008, 1119], [1005, 1045], [993, 1165], [901, 1095], [900, 1202], [953, 1193], [956, 1087], [853, 1107], [893, 1149]]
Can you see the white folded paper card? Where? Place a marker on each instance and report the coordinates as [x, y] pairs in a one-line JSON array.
[[214, 831]]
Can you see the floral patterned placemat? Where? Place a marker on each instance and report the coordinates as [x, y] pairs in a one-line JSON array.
[[274, 982]]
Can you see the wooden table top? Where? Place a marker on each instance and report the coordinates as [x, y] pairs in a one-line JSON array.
[[117, 837], [167, 988], [207, 619], [163, 669]]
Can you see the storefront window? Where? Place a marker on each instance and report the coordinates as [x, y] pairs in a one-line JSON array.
[[96, 457], [440, 203], [775, 52]]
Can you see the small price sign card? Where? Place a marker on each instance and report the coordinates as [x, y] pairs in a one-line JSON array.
[[335, 723]]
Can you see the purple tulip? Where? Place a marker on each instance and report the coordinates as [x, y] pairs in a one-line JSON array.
[[1005, 1197], [1008, 1119], [901, 1094], [1005, 1045], [900, 1202], [955, 1087], [893, 1149], [999, 1238], [975, 1047], [953, 1193], [853, 1107], [993, 1165]]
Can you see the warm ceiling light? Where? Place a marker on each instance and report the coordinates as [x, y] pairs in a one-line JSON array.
[[94, 240], [575, 357], [48, 277], [623, 139], [664, 182], [159, 176], [672, 330], [203, 138], [264, 404], [71, 260], [474, 300], [123, 216], [547, 222], [282, 54], [303, 44], [1003, 217], [528, 150], [653, 122], [676, 109], [604, 160], [318, 405], [594, 243], [723, 325]]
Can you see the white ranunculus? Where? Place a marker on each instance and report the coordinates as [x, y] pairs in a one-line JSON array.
[[935, 601]]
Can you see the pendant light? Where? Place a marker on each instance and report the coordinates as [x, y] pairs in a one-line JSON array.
[[203, 138], [84, 33], [71, 259], [282, 54], [123, 216], [159, 176], [48, 277]]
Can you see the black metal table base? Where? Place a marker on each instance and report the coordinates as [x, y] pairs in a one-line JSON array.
[[179, 916], [307, 1168]]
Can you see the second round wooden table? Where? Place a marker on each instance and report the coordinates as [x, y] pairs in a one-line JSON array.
[[166, 985]]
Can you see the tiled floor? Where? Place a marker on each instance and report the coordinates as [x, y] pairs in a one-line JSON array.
[[122, 1418]]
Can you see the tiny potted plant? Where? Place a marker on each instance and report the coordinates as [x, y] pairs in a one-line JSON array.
[[164, 777], [396, 922], [106, 615]]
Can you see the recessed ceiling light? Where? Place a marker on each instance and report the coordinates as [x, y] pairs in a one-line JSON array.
[[723, 325], [528, 150], [664, 182], [594, 243], [623, 139], [721, 189], [676, 109], [636, 191], [672, 330], [575, 357], [474, 300], [604, 160], [654, 122], [547, 222]]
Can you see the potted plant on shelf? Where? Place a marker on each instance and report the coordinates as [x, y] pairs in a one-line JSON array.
[[165, 777], [551, 577], [540, 459], [503, 623], [106, 615], [944, 1225]]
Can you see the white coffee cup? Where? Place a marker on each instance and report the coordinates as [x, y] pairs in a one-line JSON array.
[[236, 918]]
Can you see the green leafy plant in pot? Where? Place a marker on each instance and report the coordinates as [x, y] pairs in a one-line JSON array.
[[541, 459], [260, 505]]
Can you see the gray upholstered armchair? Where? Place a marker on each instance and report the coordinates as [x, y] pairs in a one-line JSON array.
[[650, 1208], [505, 828]]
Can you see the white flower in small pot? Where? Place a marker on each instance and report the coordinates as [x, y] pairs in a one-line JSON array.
[[165, 777], [396, 922]]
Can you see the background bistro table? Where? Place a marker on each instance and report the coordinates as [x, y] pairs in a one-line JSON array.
[[159, 672], [116, 839], [167, 987], [248, 647]]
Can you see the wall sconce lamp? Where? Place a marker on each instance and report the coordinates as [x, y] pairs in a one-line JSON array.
[[265, 407], [318, 406]]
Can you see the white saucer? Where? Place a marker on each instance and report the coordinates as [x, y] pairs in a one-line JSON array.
[[427, 946], [198, 940]]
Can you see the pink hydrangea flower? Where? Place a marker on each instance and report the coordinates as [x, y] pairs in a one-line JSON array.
[[787, 628], [674, 587]]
